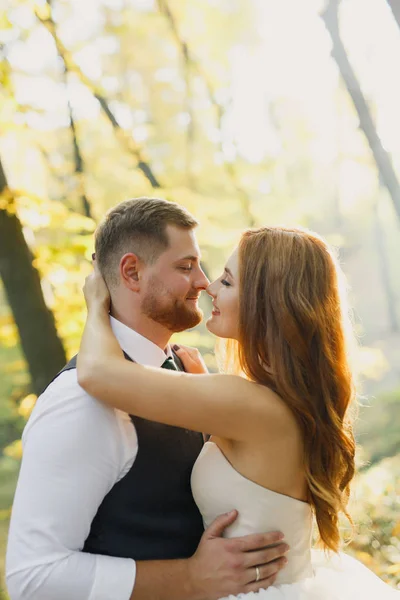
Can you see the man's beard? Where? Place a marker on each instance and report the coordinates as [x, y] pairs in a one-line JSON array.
[[175, 315]]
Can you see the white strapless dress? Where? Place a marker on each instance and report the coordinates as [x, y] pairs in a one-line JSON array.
[[310, 574]]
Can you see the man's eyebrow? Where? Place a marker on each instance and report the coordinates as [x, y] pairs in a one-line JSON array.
[[189, 257], [229, 272]]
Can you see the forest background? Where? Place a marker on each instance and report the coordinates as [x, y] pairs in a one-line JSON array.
[[247, 112]]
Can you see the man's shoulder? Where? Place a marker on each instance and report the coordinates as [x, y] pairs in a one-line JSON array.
[[70, 367], [65, 382], [64, 398]]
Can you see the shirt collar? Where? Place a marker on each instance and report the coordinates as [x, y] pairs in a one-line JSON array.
[[137, 347]]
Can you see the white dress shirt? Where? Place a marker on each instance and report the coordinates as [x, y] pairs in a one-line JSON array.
[[75, 450]]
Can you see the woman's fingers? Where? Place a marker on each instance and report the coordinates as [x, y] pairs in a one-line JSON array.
[[193, 352], [95, 288], [191, 359]]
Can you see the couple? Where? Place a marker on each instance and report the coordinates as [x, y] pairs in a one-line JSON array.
[[104, 508]]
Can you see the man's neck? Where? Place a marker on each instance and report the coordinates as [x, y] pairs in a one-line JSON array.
[[149, 329]]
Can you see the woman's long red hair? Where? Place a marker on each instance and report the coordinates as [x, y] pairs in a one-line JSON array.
[[292, 339]]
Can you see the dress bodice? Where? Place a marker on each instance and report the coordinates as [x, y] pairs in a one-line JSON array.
[[218, 488]]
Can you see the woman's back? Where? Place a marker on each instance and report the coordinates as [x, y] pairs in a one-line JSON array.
[[274, 460]]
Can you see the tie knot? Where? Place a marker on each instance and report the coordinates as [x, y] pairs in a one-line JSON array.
[[169, 364]]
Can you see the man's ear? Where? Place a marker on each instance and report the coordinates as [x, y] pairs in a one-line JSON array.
[[130, 267]]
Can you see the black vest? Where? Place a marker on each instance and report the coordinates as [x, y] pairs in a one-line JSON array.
[[150, 513]]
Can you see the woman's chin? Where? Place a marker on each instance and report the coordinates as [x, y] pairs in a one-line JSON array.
[[215, 328], [212, 326]]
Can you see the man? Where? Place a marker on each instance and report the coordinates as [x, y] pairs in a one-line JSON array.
[[103, 508]]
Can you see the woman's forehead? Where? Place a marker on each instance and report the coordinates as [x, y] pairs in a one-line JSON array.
[[233, 261]]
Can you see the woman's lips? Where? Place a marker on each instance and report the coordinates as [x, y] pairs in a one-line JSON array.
[[215, 312]]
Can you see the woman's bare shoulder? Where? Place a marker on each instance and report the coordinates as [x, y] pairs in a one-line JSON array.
[[273, 410]]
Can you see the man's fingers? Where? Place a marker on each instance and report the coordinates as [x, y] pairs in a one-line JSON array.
[[266, 571], [219, 524], [263, 557], [257, 541], [261, 584]]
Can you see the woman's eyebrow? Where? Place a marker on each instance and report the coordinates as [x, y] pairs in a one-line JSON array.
[[229, 272]]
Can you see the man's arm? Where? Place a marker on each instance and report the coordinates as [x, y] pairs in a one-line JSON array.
[[73, 455], [218, 568]]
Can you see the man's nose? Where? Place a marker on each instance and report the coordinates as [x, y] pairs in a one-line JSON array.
[[202, 281]]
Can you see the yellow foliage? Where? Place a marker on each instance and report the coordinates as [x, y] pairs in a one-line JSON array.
[[14, 450], [26, 406], [33, 218], [7, 202], [365, 558], [8, 334], [15, 366], [5, 514], [75, 222]]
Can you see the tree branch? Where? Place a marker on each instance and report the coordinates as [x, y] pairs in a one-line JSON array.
[[395, 8], [78, 159], [382, 158], [126, 140]]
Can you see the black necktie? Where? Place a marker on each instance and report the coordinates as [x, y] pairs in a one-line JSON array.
[[169, 364]]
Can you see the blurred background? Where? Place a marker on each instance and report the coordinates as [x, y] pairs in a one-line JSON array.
[[247, 112]]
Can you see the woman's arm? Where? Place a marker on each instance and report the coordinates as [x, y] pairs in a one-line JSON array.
[[223, 405]]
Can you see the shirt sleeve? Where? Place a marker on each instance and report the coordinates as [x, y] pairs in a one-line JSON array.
[[73, 455]]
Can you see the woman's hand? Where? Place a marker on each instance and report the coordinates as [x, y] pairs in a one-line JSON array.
[[191, 359], [96, 291]]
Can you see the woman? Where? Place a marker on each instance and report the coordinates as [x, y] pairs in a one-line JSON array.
[[282, 448]]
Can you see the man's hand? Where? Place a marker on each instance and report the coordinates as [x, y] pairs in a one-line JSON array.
[[221, 567], [218, 568]]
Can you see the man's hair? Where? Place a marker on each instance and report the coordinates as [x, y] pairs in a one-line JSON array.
[[139, 226]]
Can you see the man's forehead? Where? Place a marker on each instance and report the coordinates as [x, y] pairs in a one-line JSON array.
[[183, 243]]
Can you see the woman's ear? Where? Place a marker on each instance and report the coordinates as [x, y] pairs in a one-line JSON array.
[[129, 267]]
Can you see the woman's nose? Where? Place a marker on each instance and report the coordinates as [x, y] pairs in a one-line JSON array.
[[211, 290]]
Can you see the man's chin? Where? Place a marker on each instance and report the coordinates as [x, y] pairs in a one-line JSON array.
[[188, 321], [177, 320]]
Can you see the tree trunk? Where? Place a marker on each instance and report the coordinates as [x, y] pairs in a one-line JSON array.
[[40, 343], [395, 7], [384, 271], [382, 158]]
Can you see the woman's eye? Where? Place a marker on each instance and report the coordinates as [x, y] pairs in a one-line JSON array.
[[225, 282]]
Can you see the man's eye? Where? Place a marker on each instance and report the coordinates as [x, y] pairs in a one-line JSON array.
[[225, 282], [186, 268]]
